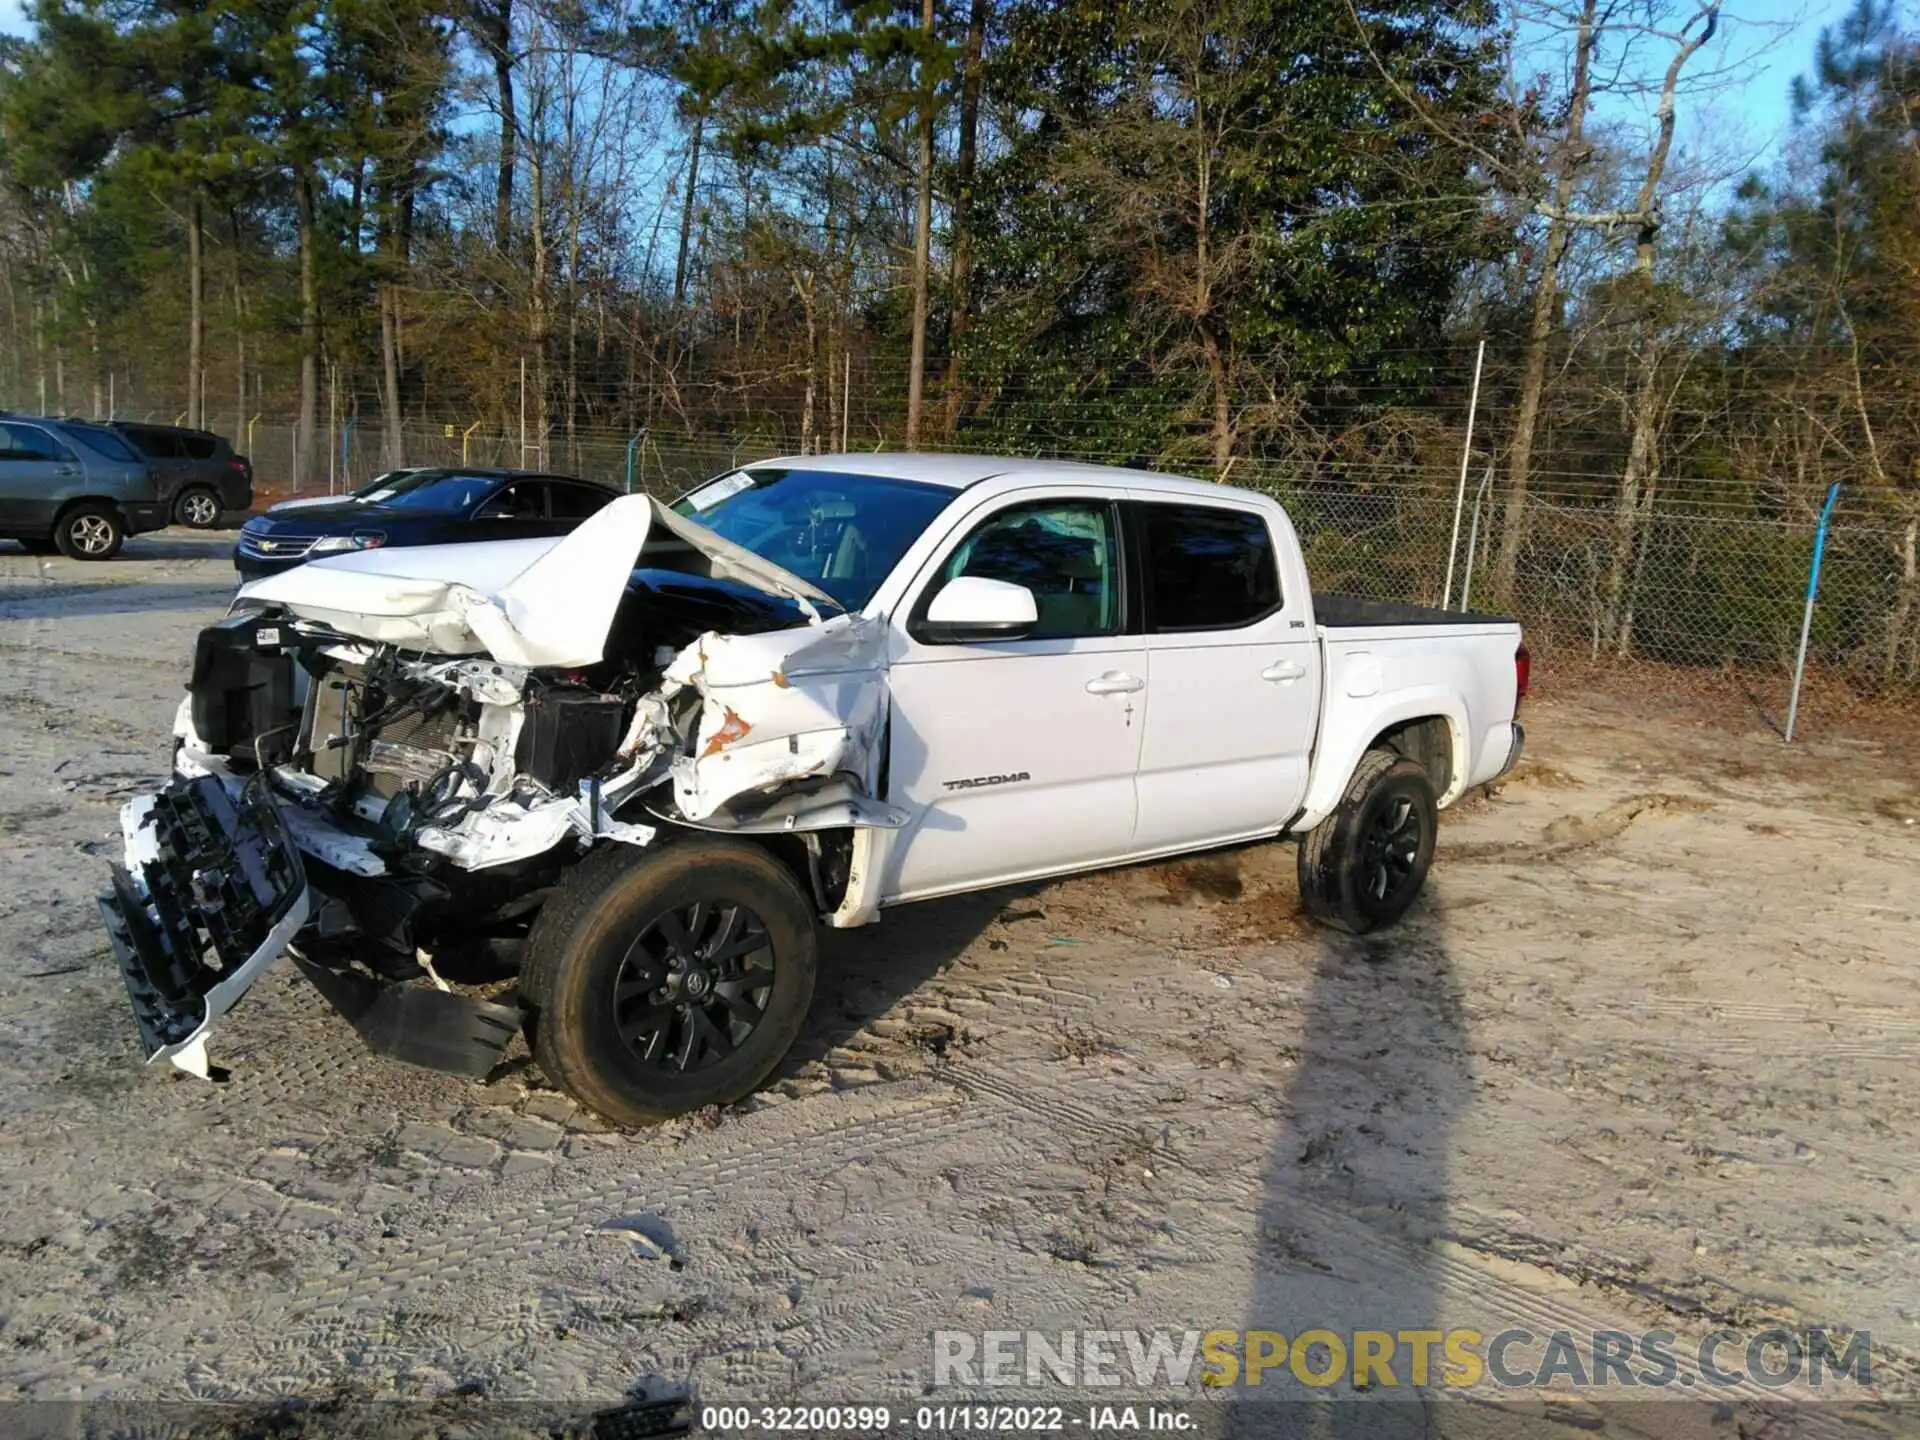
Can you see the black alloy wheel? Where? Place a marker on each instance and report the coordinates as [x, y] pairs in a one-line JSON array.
[[1389, 851], [694, 985], [661, 980], [1362, 866]]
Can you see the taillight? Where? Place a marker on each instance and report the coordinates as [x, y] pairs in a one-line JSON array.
[[237, 465], [1522, 673]]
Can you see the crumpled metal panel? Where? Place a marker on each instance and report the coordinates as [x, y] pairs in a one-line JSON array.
[[525, 602], [785, 708]]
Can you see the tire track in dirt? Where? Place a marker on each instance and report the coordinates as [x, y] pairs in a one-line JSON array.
[[520, 1229], [1858, 1017], [1571, 834], [1475, 1278], [462, 1278]]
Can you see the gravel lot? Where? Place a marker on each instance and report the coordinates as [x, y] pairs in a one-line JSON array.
[[1642, 1058]]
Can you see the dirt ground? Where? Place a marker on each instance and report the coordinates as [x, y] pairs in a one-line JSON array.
[[1642, 1058]]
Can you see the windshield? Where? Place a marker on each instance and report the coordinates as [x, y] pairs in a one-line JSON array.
[[431, 490], [385, 484], [843, 533]]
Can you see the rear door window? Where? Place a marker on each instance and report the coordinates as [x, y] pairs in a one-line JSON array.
[[201, 447], [576, 502], [1206, 568], [522, 500]]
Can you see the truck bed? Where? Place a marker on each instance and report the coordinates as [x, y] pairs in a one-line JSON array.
[[1351, 612]]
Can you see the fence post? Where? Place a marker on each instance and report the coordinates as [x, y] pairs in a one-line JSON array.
[[346, 450], [1466, 456], [1473, 537], [632, 441], [1806, 616], [466, 435]]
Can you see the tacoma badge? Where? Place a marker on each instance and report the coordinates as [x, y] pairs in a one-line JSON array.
[[979, 780]]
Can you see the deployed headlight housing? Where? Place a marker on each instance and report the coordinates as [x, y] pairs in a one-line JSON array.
[[359, 540]]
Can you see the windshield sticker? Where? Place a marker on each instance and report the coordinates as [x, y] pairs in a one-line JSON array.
[[708, 496]]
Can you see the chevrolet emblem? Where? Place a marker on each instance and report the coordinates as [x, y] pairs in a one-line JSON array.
[[268, 545]]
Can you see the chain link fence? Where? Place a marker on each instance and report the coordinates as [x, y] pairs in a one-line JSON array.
[[1707, 605]]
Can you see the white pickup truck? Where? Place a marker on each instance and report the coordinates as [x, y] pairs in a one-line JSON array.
[[643, 761]]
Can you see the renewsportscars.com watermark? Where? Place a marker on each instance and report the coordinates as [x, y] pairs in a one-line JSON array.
[[1771, 1359]]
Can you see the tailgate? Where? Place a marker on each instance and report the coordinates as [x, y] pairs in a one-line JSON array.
[[212, 892]]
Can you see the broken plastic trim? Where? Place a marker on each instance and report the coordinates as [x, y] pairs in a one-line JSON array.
[[202, 870], [190, 1054], [417, 1025]]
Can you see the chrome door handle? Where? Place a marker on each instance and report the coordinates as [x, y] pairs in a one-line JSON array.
[[1282, 671], [1115, 682]]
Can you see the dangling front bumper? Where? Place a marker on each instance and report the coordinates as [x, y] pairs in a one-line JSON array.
[[212, 892]]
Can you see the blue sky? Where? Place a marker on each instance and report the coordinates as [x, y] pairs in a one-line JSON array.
[[1781, 35]]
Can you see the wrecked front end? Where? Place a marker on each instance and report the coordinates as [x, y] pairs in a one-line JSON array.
[[385, 797]]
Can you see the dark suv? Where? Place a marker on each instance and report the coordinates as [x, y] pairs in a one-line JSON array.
[[196, 471], [72, 486]]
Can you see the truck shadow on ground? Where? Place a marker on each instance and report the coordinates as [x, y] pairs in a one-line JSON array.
[[869, 973], [1356, 1192]]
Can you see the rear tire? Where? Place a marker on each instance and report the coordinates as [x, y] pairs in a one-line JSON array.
[[197, 507], [89, 532], [1362, 866], [663, 981]]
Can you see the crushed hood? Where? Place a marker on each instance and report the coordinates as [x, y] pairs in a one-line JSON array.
[[525, 602]]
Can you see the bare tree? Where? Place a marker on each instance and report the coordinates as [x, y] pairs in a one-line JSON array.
[[966, 162], [1638, 478], [922, 230]]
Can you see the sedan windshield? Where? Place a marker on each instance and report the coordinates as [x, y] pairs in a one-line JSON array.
[[385, 484], [441, 490], [843, 533]]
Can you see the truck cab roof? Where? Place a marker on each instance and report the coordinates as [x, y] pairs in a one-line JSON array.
[[961, 472]]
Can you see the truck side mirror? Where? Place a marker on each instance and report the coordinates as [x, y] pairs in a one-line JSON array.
[[973, 608]]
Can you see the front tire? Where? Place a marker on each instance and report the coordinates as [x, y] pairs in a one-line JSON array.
[[1362, 866], [197, 507], [89, 532], [664, 981]]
